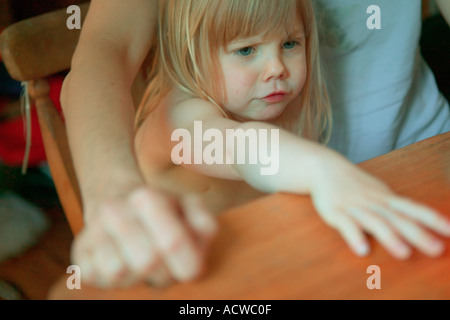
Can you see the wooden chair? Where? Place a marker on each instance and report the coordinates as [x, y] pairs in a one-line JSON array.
[[37, 48], [34, 49]]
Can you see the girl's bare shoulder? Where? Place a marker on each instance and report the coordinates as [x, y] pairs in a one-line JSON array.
[[183, 108]]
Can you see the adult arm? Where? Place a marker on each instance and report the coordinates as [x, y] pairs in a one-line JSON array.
[[132, 232], [96, 96]]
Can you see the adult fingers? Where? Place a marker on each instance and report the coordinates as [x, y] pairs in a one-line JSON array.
[[99, 262], [130, 239], [174, 243], [159, 276], [199, 218]]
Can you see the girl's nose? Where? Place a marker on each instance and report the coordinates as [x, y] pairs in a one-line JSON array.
[[274, 69]]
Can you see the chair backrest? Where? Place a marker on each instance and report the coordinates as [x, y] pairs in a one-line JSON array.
[[37, 48]]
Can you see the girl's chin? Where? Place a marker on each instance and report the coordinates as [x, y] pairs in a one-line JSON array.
[[269, 113], [272, 112]]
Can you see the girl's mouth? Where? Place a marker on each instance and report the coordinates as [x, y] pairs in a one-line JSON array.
[[275, 97]]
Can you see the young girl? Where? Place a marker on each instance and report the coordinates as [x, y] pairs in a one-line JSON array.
[[255, 65], [221, 82]]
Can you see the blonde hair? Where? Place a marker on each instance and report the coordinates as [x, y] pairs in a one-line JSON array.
[[191, 33]]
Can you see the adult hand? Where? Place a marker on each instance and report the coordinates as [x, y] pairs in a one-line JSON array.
[[144, 235]]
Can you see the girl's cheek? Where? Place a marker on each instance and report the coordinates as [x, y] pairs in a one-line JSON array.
[[239, 83], [303, 78], [301, 75]]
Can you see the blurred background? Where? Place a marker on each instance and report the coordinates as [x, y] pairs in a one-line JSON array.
[[34, 235]]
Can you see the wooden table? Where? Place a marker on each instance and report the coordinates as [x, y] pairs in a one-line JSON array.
[[278, 248]]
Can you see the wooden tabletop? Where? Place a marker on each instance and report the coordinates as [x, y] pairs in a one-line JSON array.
[[278, 248]]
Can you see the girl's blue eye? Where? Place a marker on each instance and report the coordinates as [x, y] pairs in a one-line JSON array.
[[245, 51], [290, 44]]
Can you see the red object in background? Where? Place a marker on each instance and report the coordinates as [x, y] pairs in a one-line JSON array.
[[12, 133]]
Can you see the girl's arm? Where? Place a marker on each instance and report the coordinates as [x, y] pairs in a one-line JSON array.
[[120, 243], [346, 197], [288, 147]]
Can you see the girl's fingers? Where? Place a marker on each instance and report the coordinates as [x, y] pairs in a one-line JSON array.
[[381, 231], [423, 214], [352, 234], [412, 232]]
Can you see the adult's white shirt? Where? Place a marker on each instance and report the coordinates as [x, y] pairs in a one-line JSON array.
[[383, 94]]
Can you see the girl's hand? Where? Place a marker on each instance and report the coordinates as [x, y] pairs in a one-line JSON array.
[[144, 235], [352, 201]]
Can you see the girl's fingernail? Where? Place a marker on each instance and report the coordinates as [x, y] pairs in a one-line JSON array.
[[437, 247], [403, 250], [362, 249], [447, 225]]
